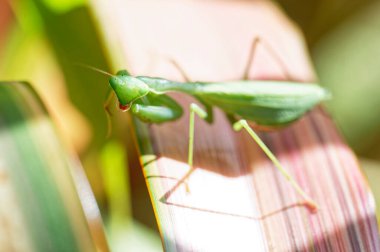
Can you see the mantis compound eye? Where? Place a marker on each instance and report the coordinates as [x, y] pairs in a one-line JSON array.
[[128, 89]]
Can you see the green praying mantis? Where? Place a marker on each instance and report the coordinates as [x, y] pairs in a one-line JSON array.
[[266, 103]]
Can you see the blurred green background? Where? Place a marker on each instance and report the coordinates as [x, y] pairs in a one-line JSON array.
[[41, 40]]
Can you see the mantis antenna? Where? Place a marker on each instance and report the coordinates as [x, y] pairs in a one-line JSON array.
[[109, 98], [94, 69]]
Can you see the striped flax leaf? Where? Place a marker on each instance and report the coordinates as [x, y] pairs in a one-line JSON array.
[[235, 200]]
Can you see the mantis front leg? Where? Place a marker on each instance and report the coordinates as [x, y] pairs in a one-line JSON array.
[[308, 201], [157, 109]]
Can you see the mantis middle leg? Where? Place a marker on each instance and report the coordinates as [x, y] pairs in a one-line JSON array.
[[194, 109], [209, 115]]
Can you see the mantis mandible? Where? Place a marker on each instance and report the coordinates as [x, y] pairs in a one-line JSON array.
[[267, 103]]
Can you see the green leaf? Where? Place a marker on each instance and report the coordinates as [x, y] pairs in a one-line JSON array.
[[347, 61], [36, 179]]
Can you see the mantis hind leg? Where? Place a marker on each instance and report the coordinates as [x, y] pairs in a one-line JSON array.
[[308, 201], [257, 41]]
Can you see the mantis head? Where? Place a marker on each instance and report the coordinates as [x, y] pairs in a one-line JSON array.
[[127, 88]]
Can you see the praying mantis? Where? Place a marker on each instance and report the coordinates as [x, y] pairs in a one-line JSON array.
[[266, 103]]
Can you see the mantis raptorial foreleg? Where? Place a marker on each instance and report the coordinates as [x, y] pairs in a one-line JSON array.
[[157, 109], [243, 124]]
